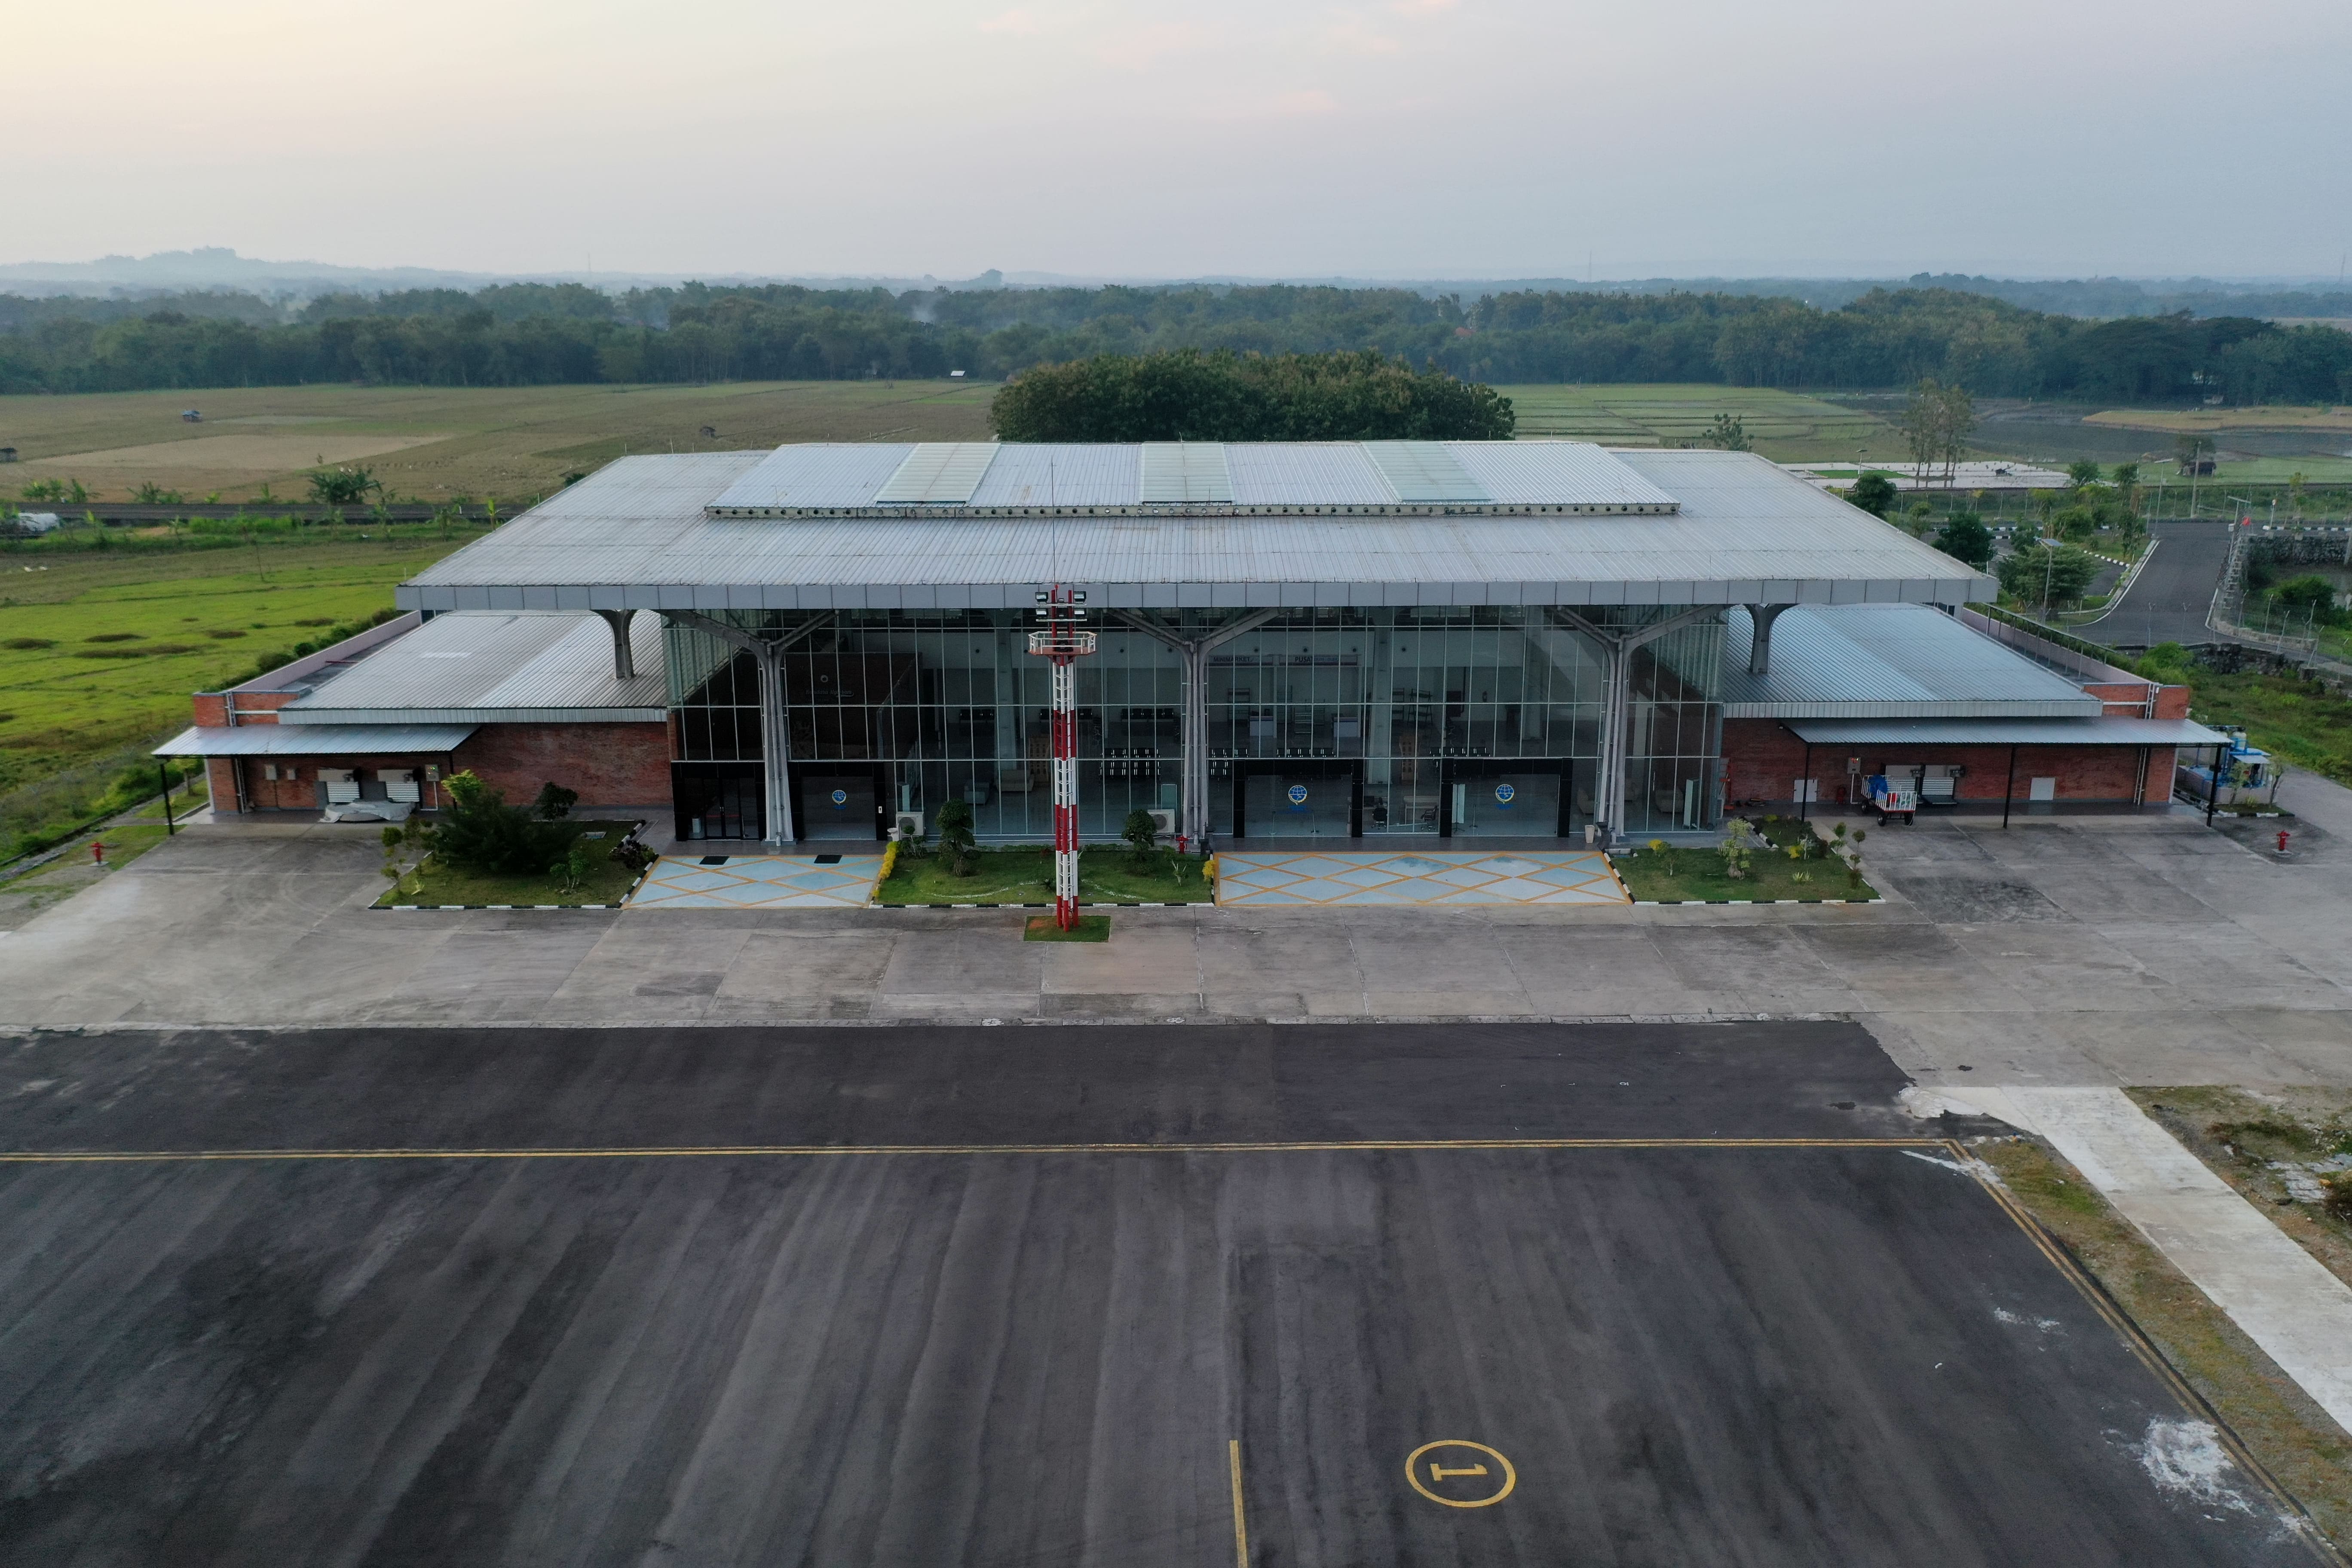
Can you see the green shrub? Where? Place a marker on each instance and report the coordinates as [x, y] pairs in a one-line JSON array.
[[1965, 538], [478, 831], [554, 803], [1874, 493], [1142, 831], [2309, 594], [2045, 573]]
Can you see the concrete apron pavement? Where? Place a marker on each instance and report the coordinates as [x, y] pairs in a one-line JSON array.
[[2062, 952]]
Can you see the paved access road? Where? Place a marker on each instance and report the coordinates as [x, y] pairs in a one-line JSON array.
[[2174, 592], [1110, 1295]]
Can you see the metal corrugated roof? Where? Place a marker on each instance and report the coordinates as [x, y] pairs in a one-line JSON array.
[[314, 739], [2005, 732], [815, 474], [1380, 476], [634, 535], [1425, 471], [1305, 474], [1884, 661], [1175, 472], [1516, 473], [940, 473], [1063, 476], [496, 668]]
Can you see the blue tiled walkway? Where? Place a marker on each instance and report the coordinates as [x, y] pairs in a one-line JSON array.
[[757, 882]]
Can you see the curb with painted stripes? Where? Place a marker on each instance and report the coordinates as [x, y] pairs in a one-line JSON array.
[[1182, 904], [1662, 903], [629, 893]]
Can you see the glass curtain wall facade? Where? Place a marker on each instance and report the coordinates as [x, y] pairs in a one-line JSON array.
[[1673, 765], [1439, 722]]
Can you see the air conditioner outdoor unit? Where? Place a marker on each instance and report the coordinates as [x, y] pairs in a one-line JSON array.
[[909, 825], [1165, 818]]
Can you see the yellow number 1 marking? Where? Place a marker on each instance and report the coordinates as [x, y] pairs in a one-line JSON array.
[[1440, 1474]]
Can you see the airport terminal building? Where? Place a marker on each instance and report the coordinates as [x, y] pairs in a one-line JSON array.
[[1534, 640]]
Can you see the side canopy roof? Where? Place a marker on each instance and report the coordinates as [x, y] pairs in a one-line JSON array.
[[1307, 525]]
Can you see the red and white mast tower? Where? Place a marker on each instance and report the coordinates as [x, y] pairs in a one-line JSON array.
[[1062, 637]]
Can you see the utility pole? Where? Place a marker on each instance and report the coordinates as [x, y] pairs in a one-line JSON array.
[[1064, 641]]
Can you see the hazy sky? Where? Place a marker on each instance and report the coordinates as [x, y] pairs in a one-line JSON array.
[[1398, 138]]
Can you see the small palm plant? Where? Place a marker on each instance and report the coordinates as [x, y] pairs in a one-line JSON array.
[[1735, 848], [956, 840], [1142, 831]]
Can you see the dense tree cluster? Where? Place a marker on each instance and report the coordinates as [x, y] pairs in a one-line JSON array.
[[1189, 395], [530, 333]]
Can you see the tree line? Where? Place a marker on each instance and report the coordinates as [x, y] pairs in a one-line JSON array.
[[530, 334], [1188, 395]]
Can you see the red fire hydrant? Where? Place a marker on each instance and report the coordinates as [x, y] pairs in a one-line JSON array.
[[2282, 840]]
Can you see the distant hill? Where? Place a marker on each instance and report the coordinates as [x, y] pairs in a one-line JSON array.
[[215, 269]]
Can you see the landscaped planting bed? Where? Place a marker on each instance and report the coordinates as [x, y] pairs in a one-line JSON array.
[[435, 885], [1023, 874], [1663, 873]]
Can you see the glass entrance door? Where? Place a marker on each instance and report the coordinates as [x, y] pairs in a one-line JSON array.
[[1509, 806], [718, 800], [1298, 800], [1495, 799], [840, 806]]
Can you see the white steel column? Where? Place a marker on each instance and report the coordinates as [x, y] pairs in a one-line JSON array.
[[775, 745], [1617, 704], [1192, 820], [775, 725]]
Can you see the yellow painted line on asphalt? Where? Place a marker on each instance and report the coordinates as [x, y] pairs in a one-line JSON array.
[[1241, 1519], [809, 1151]]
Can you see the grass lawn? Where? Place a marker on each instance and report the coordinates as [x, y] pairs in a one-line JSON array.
[[2243, 1136], [2302, 722], [607, 883], [1024, 875], [1697, 876], [1090, 928], [2278, 1423], [100, 648]]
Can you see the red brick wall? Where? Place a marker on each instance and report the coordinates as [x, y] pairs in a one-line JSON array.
[[2121, 699], [296, 787], [2130, 699], [220, 778], [1762, 761], [609, 764]]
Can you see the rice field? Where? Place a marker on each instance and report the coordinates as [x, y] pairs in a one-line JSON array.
[[434, 444], [1787, 426]]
